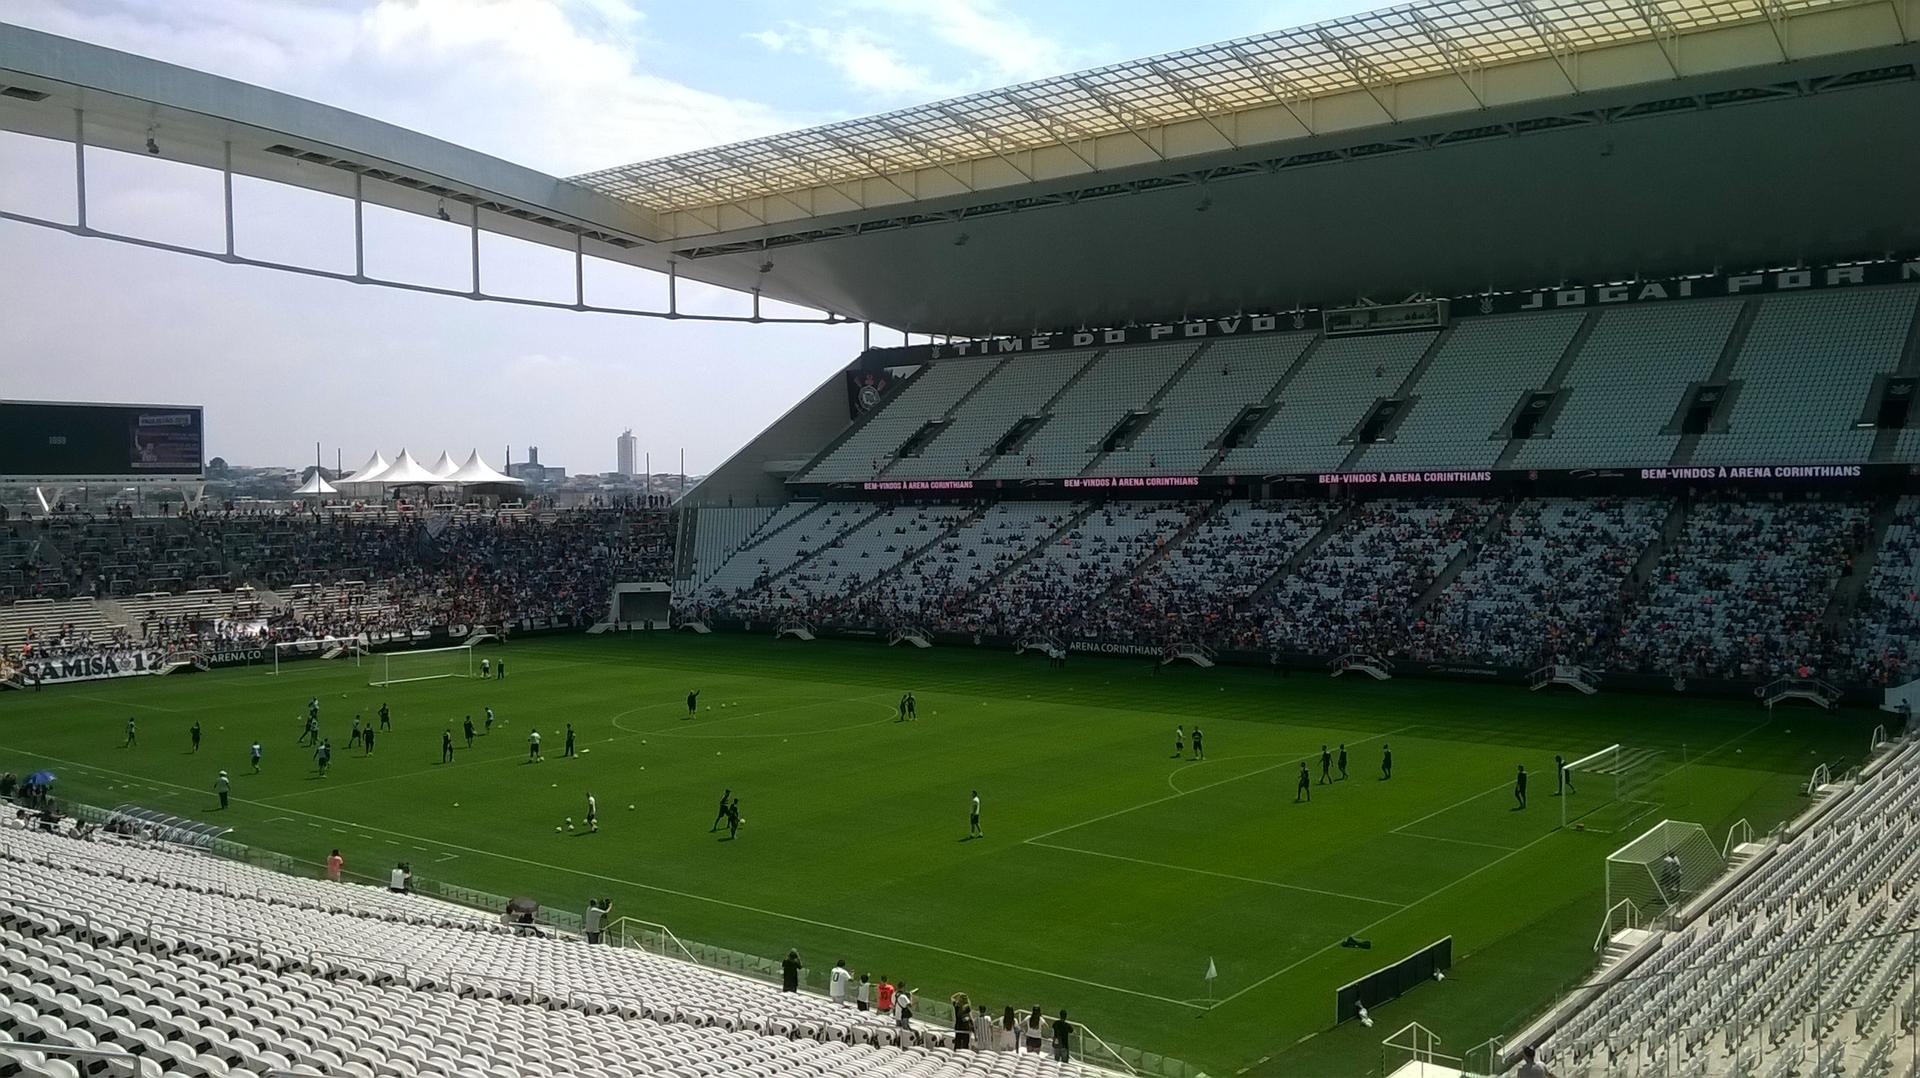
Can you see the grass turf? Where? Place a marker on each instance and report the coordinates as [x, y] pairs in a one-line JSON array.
[[1110, 873]]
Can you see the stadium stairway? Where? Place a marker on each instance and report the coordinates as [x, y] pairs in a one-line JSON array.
[[1327, 531], [1886, 442], [1200, 515], [1495, 521], [1722, 370], [952, 410], [1555, 379], [914, 553], [1080, 514], [1846, 593], [1401, 392], [1272, 395], [860, 421], [1649, 559], [1152, 407], [820, 549], [1045, 414]]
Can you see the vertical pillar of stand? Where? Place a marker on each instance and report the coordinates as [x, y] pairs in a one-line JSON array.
[[359, 230], [866, 336], [80, 168], [475, 229], [579, 271], [226, 182], [756, 305], [673, 288]]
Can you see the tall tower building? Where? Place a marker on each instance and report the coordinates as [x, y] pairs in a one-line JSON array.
[[624, 450]]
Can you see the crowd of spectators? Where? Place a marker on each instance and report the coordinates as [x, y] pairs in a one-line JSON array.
[[1546, 587], [1887, 623], [321, 575], [1743, 592], [1740, 593]]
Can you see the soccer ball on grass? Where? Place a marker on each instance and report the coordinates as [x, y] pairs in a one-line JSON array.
[[569, 823]]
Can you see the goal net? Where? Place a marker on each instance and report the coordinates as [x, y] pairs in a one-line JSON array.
[[426, 664], [324, 648], [1611, 790], [1663, 869]]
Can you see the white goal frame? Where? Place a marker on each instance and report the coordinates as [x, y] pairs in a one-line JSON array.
[[1615, 776], [1661, 871], [455, 666], [321, 648]]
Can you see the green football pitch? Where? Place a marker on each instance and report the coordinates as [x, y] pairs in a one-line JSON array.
[[1111, 872]]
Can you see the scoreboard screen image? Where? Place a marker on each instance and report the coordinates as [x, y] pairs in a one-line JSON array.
[[49, 441]]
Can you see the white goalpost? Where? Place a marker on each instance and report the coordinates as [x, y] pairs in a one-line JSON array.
[[1663, 869], [325, 648], [426, 664], [1610, 790]]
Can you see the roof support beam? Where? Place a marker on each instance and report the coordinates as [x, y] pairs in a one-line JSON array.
[[866, 161], [1203, 103], [1118, 111], [1664, 34], [928, 157], [1464, 66], [1044, 119], [1360, 68], [981, 136], [1777, 22], [1284, 92], [1559, 46]]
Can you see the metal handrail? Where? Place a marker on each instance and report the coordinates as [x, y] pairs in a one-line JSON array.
[[1742, 828], [664, 931]]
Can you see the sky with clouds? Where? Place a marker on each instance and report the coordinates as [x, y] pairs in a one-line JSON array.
[[565, 86]]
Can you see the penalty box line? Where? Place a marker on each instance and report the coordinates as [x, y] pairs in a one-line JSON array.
[[1282, 971], [1204, 786], [741, 906]]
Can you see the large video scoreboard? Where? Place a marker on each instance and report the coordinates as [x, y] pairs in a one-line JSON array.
[[49, 441]]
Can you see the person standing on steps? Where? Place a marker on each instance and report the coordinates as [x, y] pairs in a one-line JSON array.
[[790, 972]]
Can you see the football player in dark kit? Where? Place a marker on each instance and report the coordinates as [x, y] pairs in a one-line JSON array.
[[1303, 792]]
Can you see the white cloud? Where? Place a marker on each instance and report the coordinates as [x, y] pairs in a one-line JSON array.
[[972, 45], [555, 84]]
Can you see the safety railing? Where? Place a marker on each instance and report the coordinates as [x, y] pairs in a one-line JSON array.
[[1621, 916], [1738, 835]]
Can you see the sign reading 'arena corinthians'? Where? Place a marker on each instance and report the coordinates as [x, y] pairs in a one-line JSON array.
[[1705, 286]]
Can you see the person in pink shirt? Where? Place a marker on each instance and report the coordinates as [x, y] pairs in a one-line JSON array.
[[334, 864]]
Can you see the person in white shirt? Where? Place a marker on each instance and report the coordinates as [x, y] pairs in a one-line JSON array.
[[837, 980], [903, 1007], [973, 828], [863, 993], [1530, 1067], [397, 880], [486, 667]]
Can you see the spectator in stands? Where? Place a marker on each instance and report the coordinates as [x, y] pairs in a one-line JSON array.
[[962, 1020], [397, 879], [1062, 1037], [837, 980], [863, 994], [883, 998], [1530, 1067], [790, 972], [1006, 1032], [1033, 1031], [334, 863], [903, 1006], [595, 920]]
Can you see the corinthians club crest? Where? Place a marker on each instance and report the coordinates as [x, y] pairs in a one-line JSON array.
[[864, 390]]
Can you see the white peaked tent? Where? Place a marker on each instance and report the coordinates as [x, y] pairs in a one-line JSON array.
[[369, 472], [476, 473], [317, 487], [407, 472], [445, 466]]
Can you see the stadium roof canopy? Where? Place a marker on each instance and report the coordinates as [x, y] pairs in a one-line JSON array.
[[1443, 147]]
